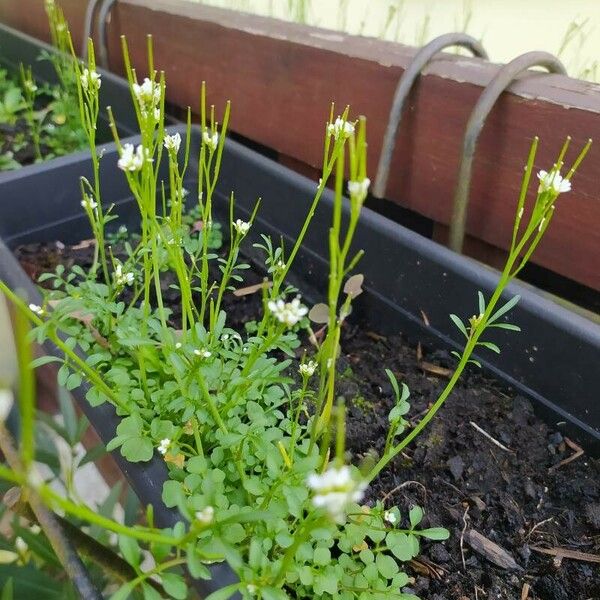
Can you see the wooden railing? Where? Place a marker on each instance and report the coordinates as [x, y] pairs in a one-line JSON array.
[[282, 77]]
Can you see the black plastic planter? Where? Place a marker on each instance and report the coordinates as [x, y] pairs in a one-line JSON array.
[[17, 48], [554, 362]]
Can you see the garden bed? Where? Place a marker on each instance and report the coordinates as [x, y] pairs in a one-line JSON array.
[[514, 490], [412, 285]]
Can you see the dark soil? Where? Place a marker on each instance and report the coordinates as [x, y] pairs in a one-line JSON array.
[[521, 498]]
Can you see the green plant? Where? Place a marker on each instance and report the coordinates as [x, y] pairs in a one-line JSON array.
[[256, 453]]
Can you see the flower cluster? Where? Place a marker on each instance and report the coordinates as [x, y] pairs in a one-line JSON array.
[[211, 140], [123, 277], [359, 189], [164, 446], [148, 96], [38, 310], [340, 128], [335, 489], [242, 227], [172, 143], [133, 159], [206, 515], [89, 203], [289, 313], [308, 369], [90, 80], [553, 181]]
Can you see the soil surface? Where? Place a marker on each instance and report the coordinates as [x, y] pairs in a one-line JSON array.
[[510, 502]]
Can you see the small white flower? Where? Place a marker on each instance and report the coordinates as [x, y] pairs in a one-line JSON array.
[[21, 545], [225, 336], [211, 140], [123, 229], [173, 142], [88, 203], [359, 189], [280, 265], [35, 529], [38, 310], [335, 489], [123, 277], [553, 181], [164, 445], [252, 589], [390, 517], [340, 128], [308, 369], [90, 80], [206, 515], [178, 345], [203, 353], [289, 313], [242, 227], [30, 85], [133, 159], [147, 94], [7, 400]]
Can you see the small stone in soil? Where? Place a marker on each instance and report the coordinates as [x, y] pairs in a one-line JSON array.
[[456, 466]]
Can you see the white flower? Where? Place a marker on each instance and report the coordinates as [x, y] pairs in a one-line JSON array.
[[35, 529], [6, 403], [280, 265], [30, 85], [251, 588], [359, 189], [335, 489], [553, 181], [90, 80], [390, 517], [206, 515], [38, 310], [242, 227], [88, 203], [211, 140], [164, 445], [340, 128], [148, 95], [173, 142], [178, 345], [123, 277], [203, 353], [308, 369], [133, 159], [21, 545], [288, 312]]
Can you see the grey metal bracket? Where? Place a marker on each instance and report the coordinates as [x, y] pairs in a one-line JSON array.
[[405, 85], [490, 95], [88, 24], [103, 13]]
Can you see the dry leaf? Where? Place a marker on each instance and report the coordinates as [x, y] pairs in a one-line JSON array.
[[84, 244], [177, 459], [319, 313], [252, 289], [353, 287], [491, 551], [435, 369]]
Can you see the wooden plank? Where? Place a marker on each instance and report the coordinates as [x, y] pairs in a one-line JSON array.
[[281, 78]]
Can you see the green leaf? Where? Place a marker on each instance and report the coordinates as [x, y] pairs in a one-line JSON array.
[[174, 585], [386, 565], [224, 593], [124, 591], [8, 590], [415, 516], [461, 327], [508, 326], [435, 533], [481, 303], [130, 550], [504, 309], [394, 382], [322, 556], [137, 449], [490, 346], [271, 593]]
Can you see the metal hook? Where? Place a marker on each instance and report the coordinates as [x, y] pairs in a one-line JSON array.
[[421, 59], [482, 109], [88, 23], [105, 9]]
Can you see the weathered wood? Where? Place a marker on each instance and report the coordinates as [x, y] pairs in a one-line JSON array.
[[281, 78]]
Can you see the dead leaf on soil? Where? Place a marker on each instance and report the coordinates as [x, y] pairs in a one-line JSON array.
[[490, 550], [84, 244], [435, 369], [252, 289]]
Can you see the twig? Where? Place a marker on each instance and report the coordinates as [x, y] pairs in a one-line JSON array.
[[537, 525], [578, 452], [566, 553], [525, 591], [403, 485], [489, 437], [462, 538]]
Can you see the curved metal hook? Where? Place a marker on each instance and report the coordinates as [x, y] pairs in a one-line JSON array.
[[105, 9], [482, 109], [88, 23], [421, 59]]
